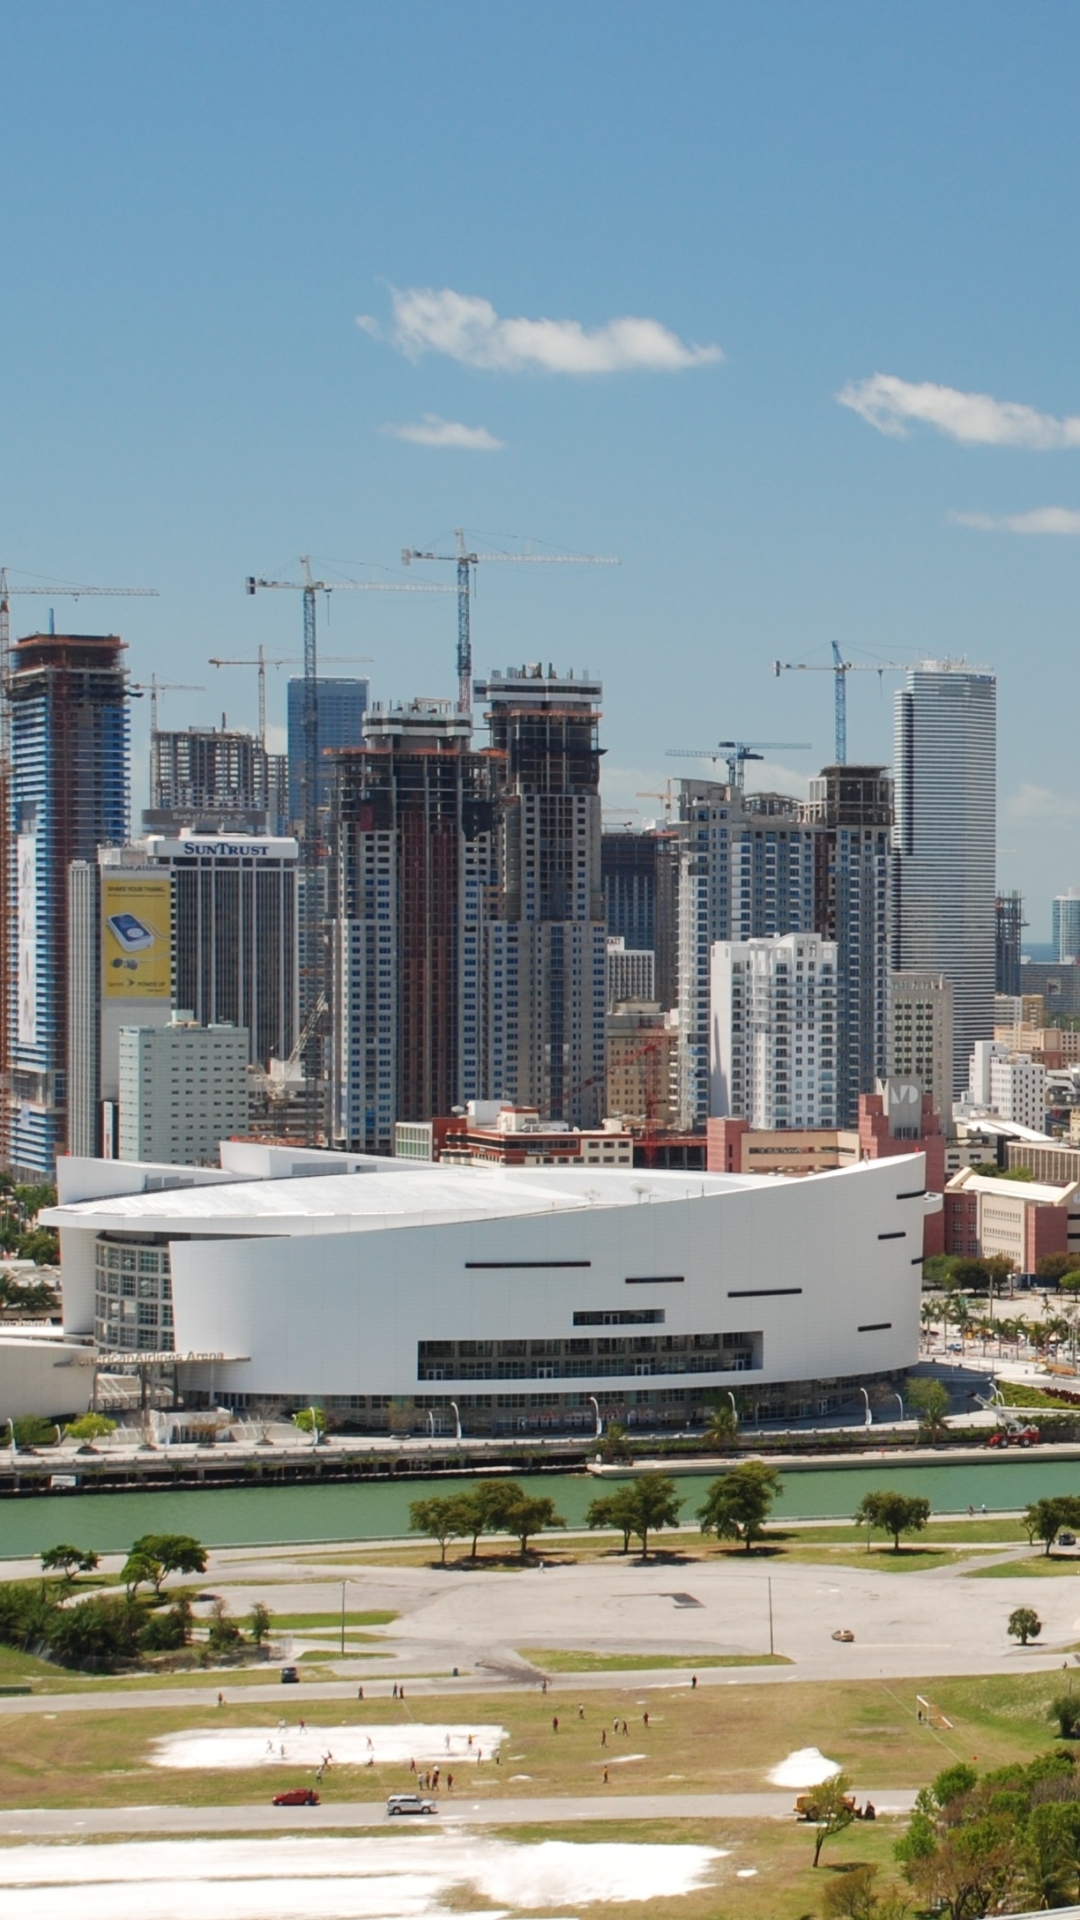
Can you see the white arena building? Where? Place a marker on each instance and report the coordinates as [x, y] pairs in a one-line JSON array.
[[386, 1290]]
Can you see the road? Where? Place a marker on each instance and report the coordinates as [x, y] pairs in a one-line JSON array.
[[47, 1823]]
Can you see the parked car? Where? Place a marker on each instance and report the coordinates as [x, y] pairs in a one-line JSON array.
[[1066, 1539], [290, 1676], [297, 1797], [409, 1803]]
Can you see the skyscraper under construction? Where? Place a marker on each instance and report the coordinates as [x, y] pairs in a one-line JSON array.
[[413, 873], [546, 940]]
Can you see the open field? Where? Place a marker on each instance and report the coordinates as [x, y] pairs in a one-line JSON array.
[[710, 1740]]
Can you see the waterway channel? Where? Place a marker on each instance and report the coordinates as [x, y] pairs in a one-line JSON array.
[[266, 1516]]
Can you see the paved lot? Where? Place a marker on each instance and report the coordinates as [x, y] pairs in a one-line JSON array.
[[40, 1823]]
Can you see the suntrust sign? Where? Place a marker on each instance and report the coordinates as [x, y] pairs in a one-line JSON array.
[[213, 847]]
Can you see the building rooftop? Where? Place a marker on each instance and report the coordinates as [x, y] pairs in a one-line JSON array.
[[408, 1196]]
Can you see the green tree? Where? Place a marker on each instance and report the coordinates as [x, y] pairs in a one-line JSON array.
[[167, 1631], [615, 1445], [1065, 1709], [308, 1418], [34, 1431], [488, 1504], [141, 1570], [171, 1552], [612, 1510], [655, 1503], [90, 1426], [854, 1895], [894, 1513], [98, 1634], [1024, 1625], [68, 1561], [737, 1506], [1054, 1266], [444, 1518], [930, 1399], [531, 1514], [831, 1808], [1049, 1860], [260, 1620], [1044, 1519], [723, 1427], [972, 1276], [223, 1635]]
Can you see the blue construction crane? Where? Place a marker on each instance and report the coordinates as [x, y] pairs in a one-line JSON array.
[[736, 753], [840, 669]]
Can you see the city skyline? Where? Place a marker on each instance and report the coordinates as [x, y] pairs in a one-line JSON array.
[[793, 343]]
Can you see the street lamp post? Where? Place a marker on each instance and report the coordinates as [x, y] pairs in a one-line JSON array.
[[457, 1421], [869, 1421], [900, 1404], [599, 1420]]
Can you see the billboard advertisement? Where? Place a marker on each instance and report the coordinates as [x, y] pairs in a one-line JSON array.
[[136, 938]]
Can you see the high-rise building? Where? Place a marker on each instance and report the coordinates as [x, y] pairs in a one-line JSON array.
[[920, 1039], [630, 972], [640, 1060], [413, 832], [774, 1031], [852, 807], [1066, 928], [234, 903], [942, 894], [1009, 923], [198, 921], [746, 872], [342, 707], [628, 877], [224, 778], [70, 793], [547, 939], [183, 1088], [1007, 1083]]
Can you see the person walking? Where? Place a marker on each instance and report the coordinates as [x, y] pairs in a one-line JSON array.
[[359, 1693], [449, 1783], [221, 1699], [581, 1710], [693, 1683], [603, 1736], [645, 1716], [554, 1723], [607, 1777]]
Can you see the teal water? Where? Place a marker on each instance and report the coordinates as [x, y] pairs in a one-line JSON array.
[[264, 1516]]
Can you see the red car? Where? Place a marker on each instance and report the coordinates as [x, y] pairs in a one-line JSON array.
[[297, 1797]]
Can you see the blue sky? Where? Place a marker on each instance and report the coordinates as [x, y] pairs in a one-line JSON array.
[[201, 201]]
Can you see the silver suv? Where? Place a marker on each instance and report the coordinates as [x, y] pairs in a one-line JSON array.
[[409, 1803]]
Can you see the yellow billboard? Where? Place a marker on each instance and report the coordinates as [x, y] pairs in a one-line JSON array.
[[136, 938]]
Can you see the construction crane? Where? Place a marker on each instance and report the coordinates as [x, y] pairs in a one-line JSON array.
[[465, 560], [736, 753], [663, 794], [7, 594], [286, 660], [840, 669], [650, 1130], [311, 948], [154, 686]]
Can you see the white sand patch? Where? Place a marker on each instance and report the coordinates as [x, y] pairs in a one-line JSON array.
[[338, 1879], [624, 1759], [229, 1747], [746, 1873], [806, 1767]]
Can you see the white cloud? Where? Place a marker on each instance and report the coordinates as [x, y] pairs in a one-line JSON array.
[[976, 419], [1040, 803], [434, 431], [1039, 520], [468, 329]]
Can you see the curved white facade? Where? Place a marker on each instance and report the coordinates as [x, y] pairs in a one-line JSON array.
[[524, 1287]]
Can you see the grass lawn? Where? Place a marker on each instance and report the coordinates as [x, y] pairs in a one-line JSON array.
[[1039, 1564], [697, 1741], [571, 1660], [784, 1885], [301, 1622]]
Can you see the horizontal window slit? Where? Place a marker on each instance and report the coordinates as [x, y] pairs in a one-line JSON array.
[[509, 1266], [917, 1193], [876, 1326], [759, 1293], [901, 1235]]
